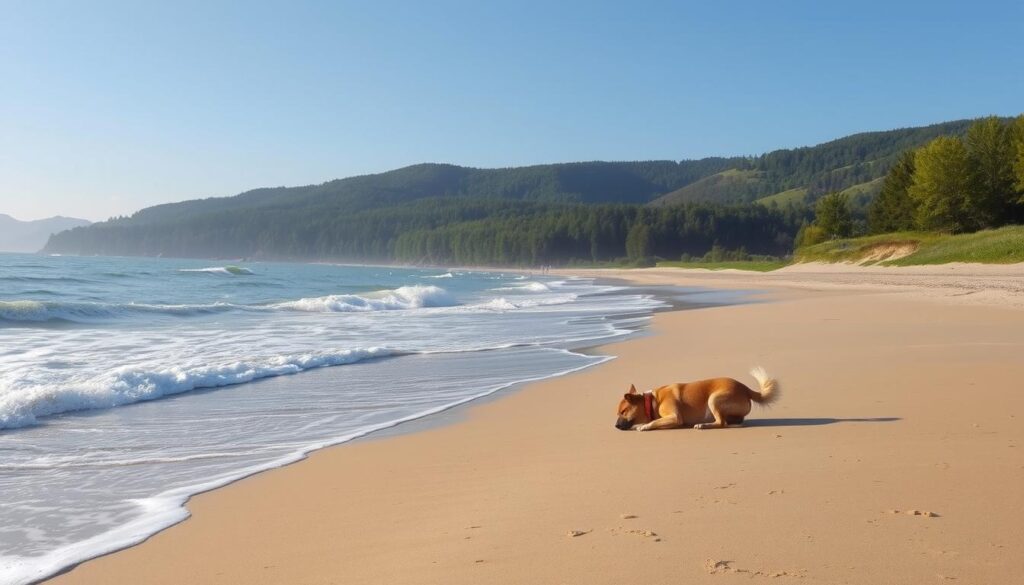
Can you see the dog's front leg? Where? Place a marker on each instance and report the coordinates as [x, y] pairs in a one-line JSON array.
[[666, 422]]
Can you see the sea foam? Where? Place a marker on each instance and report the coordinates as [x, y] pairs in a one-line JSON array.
[[226, 270], [536, 287], [406, 297], [22, 405]]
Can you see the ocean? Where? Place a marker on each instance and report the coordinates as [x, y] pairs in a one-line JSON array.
[[129, 384]]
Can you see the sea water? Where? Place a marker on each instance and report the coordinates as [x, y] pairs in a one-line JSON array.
[[127, 385]]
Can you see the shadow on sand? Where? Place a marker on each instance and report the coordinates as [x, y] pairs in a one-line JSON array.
[[807, 422]]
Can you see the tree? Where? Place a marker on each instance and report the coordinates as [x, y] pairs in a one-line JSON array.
[[893, 209], [1018, 146], [832, 215], [990, 158], [639, 242], [941, 185]]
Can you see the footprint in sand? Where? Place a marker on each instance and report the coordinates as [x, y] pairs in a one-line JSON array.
[[924, 513], [575, 533], [637, 532], [714, 567]]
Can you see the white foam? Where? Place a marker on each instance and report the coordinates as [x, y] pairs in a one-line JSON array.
[[536, 287], [22, 406], [226, 270], [167, 509], [505, 304], [445, 275], [406, 297]]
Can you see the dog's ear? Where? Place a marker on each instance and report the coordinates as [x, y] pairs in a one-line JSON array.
[[632, 389]]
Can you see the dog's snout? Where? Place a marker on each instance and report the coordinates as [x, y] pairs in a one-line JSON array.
[[623, 424]]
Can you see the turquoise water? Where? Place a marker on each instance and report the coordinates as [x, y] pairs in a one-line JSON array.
[[127, 385]]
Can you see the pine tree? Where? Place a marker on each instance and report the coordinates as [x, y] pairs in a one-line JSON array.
[[990, 158], [941, 185], [893, 209], [832, 215], [639, 242], [1018, 163]]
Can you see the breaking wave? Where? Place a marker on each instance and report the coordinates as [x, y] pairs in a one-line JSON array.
[[504, 304], [228, 270], [406, 297], [22, 406], [537, 287], [44, 311]]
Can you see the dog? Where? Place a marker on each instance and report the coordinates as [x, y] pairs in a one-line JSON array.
[[724, 400]]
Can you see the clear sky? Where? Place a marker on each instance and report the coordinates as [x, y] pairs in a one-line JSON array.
[[108, 107]]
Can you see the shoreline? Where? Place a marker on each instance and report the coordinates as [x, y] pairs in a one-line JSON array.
[[169, 508], [389, 475]]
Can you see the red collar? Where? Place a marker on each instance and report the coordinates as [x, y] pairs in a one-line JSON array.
[[652, 412]]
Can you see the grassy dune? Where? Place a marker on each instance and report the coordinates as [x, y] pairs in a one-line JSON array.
[[1000, 246]]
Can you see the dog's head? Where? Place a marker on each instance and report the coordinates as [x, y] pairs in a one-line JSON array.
[[631, 410]]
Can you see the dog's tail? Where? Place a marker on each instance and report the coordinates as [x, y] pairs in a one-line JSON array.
[[769, 387]]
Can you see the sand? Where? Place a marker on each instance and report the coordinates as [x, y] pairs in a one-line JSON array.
[[894, 456]]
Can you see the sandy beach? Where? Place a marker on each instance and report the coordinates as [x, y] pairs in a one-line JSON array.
[[895, 455]]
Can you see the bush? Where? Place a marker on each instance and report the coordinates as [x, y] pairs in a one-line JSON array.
[[809, 235]]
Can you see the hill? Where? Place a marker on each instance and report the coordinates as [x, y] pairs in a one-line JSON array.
[[583, 182], [31, 236], [729, 186], [586, 211], [832, 166]]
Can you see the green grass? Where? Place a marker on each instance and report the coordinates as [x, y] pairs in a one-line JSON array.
[[1000, 246], [732, 185], [798, 195], [756, 266], [868, 189]]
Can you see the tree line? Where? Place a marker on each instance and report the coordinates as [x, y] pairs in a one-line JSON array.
[[592, 211], [453, 230], [951, 184], [604, 233]]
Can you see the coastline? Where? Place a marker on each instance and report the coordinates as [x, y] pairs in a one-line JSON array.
[[492, 497]]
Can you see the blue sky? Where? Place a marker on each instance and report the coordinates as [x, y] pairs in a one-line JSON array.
[[108, 107]]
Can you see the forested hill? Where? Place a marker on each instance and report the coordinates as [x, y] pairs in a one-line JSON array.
[[546, 213], [855, 163], [584, 182]]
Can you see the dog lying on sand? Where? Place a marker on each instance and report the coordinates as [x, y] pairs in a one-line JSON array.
[[723, 400]]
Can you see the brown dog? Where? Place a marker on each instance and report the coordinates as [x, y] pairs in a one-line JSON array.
[[724, 400]]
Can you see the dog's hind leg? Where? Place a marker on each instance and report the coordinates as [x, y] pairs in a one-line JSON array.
[[715, 403]]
